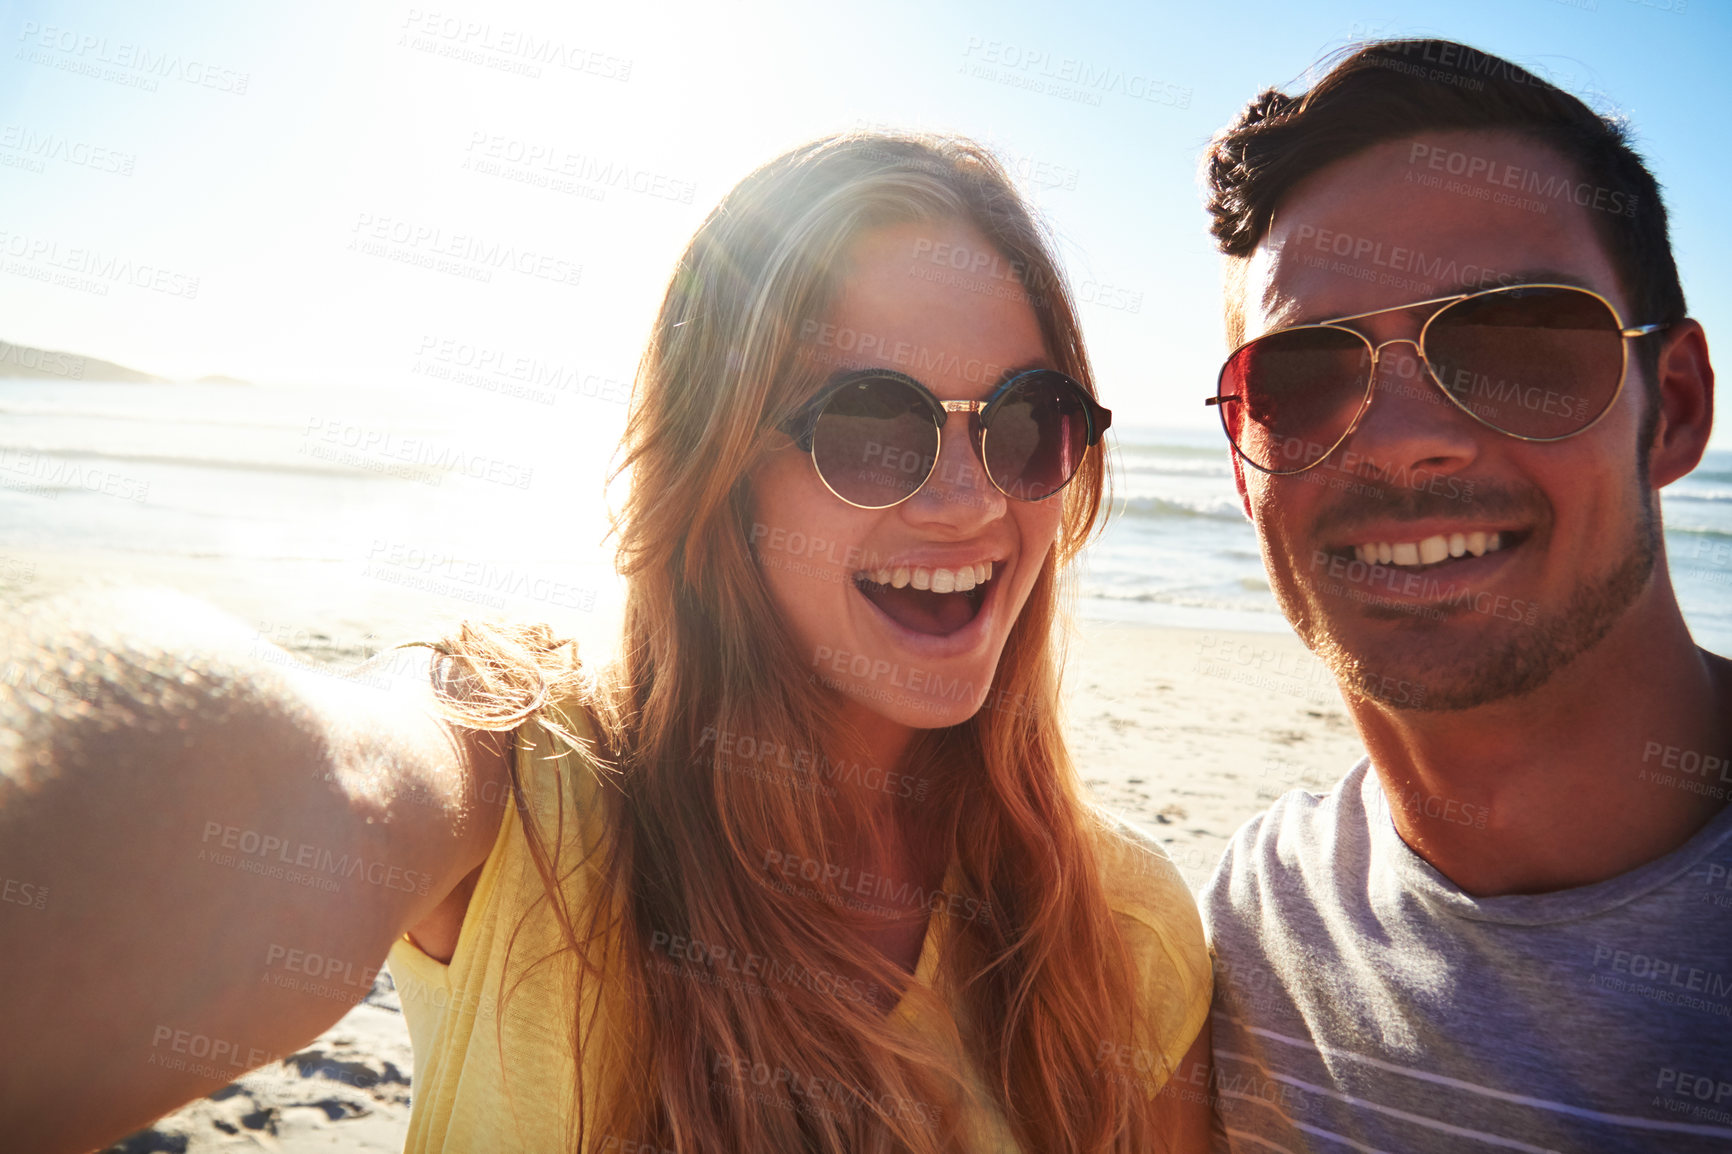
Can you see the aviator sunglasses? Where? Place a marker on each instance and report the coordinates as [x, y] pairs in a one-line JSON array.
[[873, 434], [1539, 362]]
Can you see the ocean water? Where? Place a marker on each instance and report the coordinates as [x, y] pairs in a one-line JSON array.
[[379, 512], [471, 498]]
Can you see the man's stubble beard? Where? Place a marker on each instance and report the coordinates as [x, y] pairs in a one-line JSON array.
[[1494, 669], [1526, 656]]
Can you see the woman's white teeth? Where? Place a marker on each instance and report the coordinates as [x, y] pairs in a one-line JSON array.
[[939, 580], [1429, 551]]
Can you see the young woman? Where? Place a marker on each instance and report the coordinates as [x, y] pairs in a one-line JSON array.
[[808, 868]]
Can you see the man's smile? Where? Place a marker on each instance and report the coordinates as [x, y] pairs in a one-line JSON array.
[[1431, 550]]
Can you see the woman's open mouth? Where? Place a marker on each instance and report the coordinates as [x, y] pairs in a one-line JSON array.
[[933, 600]]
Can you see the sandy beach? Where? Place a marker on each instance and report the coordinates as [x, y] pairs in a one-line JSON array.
[[1188, 732]]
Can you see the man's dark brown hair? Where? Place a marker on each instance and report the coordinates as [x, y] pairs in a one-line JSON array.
[[1394, 89]]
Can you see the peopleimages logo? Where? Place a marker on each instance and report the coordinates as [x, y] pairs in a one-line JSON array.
[[320, 968], [824, 343], [96, 270], [68, 365], [724, 960], [1436, 270], [121, 61], [460, 254], [1664, 972], [356, 445], [1445, 809], [48, 476], [784, 1088], [1437, 595], [504, 48], [857, 888], [44, 146], [22, 893], [1502, 179], [740, 748], [211, 1057], [1066, 76], [912, 678], [513, 374], [559, 169], [272, 856], [473, 580]]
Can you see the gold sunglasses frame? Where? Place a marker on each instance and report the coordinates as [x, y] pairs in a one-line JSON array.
[[1444, 304], [1098, 420]]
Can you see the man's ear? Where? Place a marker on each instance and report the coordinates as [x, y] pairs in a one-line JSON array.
[[1686, 416]]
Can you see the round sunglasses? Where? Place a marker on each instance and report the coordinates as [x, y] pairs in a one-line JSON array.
[[873, 434], [1539, 362]]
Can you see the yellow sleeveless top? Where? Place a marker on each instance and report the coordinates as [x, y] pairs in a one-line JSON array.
[[490, 1082]]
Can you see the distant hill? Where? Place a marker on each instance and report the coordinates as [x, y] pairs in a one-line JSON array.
[[21, 362]]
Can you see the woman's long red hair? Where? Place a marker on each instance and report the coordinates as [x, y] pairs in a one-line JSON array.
[[1038, 979]]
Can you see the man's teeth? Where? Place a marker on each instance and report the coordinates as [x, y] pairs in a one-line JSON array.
[[939, 580], [1429, 551]]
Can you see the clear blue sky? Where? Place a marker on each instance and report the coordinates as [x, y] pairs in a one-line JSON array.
[[275, 129]]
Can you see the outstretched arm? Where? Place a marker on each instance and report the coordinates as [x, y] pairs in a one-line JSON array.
[[188, 817]]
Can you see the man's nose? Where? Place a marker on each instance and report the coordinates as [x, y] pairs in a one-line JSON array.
[[1409, 421]]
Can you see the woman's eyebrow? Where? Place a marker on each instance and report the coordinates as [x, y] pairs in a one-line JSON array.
[[1018, 370]]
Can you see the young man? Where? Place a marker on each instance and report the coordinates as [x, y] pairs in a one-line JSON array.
[[1510, 927]]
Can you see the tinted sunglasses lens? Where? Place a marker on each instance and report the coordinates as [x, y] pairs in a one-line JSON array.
[[875, 441], [1536, 362], [1296, 392], [1036, 435]]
